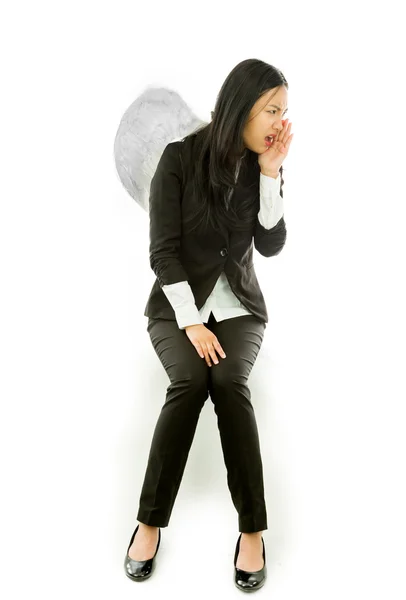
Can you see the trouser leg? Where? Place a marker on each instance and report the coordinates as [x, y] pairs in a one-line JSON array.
[[176, 425], [241, 339]]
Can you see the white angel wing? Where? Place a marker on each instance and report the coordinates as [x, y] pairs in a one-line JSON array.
[[157, 117]]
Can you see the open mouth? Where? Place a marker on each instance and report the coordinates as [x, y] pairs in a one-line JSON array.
[[269, 140]]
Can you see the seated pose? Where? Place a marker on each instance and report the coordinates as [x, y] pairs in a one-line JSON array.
[[216, 195]]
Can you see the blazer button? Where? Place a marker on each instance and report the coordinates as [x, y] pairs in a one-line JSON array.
[[224, 252]]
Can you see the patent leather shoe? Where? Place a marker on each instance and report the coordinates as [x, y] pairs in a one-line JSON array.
[[249, 581], [139, 570]]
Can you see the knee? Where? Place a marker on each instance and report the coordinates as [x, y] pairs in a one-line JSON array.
[[193, 380], [225, 376]]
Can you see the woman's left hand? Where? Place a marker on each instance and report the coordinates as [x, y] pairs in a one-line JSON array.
[[270, 161]]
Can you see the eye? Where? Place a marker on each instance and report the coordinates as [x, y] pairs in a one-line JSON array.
[[274, 111]]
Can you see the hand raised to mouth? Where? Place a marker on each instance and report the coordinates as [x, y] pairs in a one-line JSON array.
[[271, 160]]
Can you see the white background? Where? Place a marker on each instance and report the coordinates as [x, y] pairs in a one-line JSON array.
[[81, 386]]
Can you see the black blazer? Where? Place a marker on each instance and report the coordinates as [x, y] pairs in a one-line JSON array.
[[199, 259]]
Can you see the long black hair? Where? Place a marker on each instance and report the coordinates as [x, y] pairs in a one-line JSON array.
[[218, 147]]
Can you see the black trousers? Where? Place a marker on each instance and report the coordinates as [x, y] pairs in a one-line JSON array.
[[191, 382]]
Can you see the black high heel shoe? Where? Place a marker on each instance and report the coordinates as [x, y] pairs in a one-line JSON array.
[[139, 570], [249, 581]]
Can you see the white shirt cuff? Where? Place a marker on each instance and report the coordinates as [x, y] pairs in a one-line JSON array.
[[182, 300], [271, 202]]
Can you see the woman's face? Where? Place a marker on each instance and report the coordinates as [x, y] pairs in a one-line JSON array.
[[265, 118]]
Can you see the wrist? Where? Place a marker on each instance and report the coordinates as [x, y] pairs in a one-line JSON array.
[[270, 173]]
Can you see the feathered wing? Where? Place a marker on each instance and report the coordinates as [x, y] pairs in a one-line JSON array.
[[157, 117]]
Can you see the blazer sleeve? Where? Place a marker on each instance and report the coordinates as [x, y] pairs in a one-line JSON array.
[[270, 242], [165, 221]]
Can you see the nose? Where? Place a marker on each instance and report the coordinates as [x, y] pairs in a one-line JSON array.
[[282, 124]]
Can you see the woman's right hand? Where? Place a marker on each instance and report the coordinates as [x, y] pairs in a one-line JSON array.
[[205, 342]]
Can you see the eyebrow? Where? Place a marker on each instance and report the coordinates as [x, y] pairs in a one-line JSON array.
[[276, 106]]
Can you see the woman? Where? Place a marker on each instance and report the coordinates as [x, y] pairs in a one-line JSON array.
[[214, 195]]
